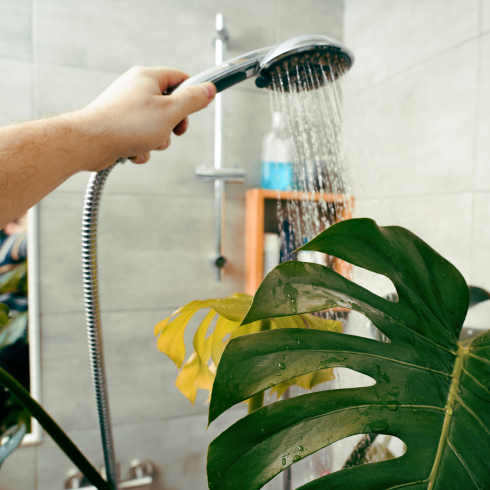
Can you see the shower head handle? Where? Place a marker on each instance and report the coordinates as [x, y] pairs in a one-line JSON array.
[[280, 61], [230, 72]]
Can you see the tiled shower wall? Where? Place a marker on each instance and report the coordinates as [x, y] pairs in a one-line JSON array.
[[156, 226], [422, 78]]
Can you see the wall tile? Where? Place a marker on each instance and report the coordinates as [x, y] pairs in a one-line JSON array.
[[323, 17], [154, 252], [98, 35], [248, 119], [421, 125], [388, 36], [15, 29], [177, 447], [480, 260], [482, 173], [15, 91], [141, 379], [485, 15], [19, 470], [443, 221]]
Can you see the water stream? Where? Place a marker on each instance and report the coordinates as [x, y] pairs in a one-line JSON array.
[[334, 178]]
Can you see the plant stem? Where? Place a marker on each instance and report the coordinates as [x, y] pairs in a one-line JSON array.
[[54, 430], [257, 401], [359, 452]]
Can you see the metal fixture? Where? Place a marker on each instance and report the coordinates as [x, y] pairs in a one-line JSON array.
[[141, 474], [280, 62]]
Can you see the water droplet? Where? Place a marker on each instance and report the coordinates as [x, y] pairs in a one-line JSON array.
[[227, 396], [393, 408], [296, 458], [283, 461], [278, 374], [282, 365], [449, 410], [262, 430], [415, 410], [306, 364], [378, 426], [299, 343], [270, 385], [301, 448]]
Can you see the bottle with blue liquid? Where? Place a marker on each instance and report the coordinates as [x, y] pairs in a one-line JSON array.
[[277, 169]]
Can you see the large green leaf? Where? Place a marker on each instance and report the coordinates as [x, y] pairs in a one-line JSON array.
[[431, 391]]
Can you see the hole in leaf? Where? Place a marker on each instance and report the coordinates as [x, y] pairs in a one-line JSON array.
[[376, 283]]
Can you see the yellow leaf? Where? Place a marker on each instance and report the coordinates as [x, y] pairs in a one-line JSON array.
[[294, 321], [201, 345], [233, 308], [317, 323], [185, 379], [222, 329], [171, 339]]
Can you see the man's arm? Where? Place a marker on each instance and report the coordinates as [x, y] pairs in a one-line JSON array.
[[130, 119]]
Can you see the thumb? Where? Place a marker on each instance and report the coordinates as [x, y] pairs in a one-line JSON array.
[[189, 100]]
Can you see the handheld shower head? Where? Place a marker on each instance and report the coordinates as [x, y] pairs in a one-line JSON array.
[[284, 62]]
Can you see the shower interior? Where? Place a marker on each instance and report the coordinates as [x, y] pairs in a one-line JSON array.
[[294, 72]]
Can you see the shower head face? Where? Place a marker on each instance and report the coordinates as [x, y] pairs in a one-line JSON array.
[[316, 58]]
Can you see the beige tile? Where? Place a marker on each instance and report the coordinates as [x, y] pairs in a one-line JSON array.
[[480, 259], [177, 447], [15, 91], [156, 33], [389, 36], [15, 29], [323, 17], [19, 471], [482, 173], [421, 126], [154, 252]]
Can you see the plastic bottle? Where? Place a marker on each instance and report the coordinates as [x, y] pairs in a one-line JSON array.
[[277, 169]]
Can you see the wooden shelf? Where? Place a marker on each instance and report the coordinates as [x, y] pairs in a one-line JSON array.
[[254, 229]]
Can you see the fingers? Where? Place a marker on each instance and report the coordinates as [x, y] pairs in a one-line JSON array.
[[141, 158], [167, 77], [181, 128], [189, 100]]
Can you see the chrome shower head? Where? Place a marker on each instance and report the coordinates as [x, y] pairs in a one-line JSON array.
[[318, 56], [323, 57]]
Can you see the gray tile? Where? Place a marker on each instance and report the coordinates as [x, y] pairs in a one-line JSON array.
[[15, 29], [485, 15], [482, 173], [15, 91], [141, 379], [64, 88], [97, 35], [19, 470], [389, 36], [154, 252], [248, 119], [421, 126], [480, 259], [323, 17], [177, 447], [443, 221]]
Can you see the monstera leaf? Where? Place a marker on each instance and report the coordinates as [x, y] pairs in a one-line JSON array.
[[430, 391], [199, 370]]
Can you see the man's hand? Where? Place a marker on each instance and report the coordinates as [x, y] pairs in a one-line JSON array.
[[136, 118], [130, 119]]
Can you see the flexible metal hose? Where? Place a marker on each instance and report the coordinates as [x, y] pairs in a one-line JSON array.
[[92, 314]]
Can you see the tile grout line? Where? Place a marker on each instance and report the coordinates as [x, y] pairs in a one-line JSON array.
[[422, 62]]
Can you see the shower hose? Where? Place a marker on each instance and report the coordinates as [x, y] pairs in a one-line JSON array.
[[92, 314]]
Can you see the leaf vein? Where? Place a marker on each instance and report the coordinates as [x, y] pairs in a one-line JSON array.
[[461, 460], [477, 382], [475, 416]]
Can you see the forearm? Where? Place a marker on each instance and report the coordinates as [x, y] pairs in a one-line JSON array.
[[38, 156]]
